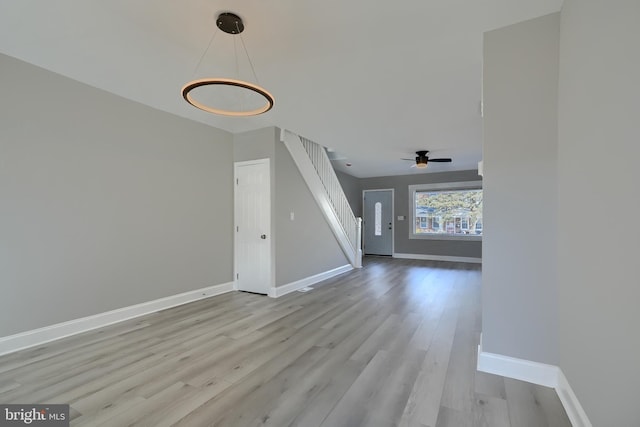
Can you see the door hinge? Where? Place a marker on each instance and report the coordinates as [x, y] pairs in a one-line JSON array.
[[237, 228], [237, 276], [237, 181]]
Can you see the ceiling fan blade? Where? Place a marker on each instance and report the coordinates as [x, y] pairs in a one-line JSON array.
[[412, 160], [440, 160]]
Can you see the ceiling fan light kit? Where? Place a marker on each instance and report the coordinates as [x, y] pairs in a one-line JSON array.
[[229, 23]]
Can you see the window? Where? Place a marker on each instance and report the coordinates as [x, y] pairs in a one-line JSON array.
[[423, 222], [479, 226], [378, 219], [446, 210]]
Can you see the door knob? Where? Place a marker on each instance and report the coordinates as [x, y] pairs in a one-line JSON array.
[[263, 236]]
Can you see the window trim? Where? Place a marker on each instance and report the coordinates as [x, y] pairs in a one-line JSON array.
[[441, 186]]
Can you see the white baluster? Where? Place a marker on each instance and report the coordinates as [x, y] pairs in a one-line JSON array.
[[338, 200]]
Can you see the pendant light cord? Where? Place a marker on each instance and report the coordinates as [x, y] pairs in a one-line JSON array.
[[253, 70], [235, 53], [213, 36]]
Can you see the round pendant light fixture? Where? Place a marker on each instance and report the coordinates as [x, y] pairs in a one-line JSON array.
[[229, 23]]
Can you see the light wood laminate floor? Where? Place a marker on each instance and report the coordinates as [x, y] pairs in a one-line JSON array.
[[392, 344]]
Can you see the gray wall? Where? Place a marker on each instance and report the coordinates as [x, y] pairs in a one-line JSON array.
[[403, 244], [104, 203], [599, 150], [255, 144], [305, 246], [519, 291]]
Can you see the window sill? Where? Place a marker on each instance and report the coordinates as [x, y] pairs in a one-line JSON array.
[[467, 237]]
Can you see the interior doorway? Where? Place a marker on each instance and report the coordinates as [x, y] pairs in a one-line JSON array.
[[253, 226], [378, 222]]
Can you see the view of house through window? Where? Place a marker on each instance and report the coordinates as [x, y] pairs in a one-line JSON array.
[[456, 212]]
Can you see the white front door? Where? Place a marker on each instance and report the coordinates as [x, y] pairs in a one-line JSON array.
[[253, 226], [378, 222]]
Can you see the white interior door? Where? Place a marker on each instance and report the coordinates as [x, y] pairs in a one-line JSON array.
[[378, 222], [253, 226]]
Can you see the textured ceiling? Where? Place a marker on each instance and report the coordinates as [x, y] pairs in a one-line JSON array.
[[373, 83]]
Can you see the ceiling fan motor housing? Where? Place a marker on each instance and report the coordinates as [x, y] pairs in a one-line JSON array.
[[422, 157]]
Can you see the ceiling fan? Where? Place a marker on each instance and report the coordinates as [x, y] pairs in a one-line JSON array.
[[422, 159]]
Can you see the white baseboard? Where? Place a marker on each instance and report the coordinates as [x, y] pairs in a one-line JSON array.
[[22, 340], [308, 281], [536, 373], [519, 369], [574, 410], [439, 258]]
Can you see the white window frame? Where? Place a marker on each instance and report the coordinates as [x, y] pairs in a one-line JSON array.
[[444, 186]]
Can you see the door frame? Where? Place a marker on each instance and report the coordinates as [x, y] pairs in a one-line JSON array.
[[393, 218], [271, 283]]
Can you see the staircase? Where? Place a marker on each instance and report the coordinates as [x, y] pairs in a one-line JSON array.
[[318, 173]]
